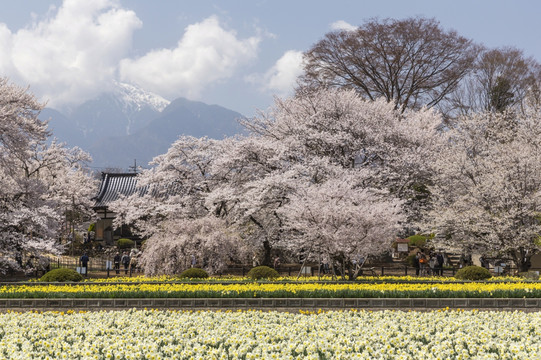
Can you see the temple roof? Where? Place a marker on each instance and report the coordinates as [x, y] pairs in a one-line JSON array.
[[113, 185]]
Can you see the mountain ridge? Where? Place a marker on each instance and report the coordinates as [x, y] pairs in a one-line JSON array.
[[129, 123]]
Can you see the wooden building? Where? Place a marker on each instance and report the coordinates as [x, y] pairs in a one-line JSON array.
[[112, 187]]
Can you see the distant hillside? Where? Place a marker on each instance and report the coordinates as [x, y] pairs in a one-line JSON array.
[[181, 117], [129, 123]]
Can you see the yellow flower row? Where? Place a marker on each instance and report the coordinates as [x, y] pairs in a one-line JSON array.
[[261, 289]]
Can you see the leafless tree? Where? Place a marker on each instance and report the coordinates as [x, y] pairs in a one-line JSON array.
[[503, 79], [411, 62]]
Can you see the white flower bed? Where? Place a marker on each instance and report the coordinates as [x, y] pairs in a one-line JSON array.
[[271, 335]]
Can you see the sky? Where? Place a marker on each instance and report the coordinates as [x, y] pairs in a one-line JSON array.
[[239, 54]]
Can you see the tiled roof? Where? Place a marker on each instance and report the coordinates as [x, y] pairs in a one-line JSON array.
[[113, 185]]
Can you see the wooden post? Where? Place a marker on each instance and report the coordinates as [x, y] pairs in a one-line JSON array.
[[319, 266]]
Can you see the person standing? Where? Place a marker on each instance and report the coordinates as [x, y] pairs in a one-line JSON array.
[[133, 260], [276, 263], [416, 263], [423, 263], [126, 261], [116, 262], [84, 263], [433, 265], [440, 260], [324, 266]]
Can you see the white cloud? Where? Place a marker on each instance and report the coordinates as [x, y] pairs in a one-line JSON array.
[[342, 25], [206, 53], [78, 50], [73, 53], [282, 76]]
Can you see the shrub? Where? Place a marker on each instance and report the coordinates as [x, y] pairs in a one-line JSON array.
[[530, 275], [410, 260], [194, 273], [417, 240], [125, 243], [61, 275], [262, 272], [473, 273]]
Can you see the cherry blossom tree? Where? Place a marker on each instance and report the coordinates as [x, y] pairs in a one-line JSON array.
[[341, 219], [301, 137], [206, 240], [39, 181], [175, 212], [488, 186], [352, 132], [176, 187], [306, 145]]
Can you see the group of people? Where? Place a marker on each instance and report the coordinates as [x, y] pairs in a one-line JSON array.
[[429, 264], [128, 261], [255, 262]]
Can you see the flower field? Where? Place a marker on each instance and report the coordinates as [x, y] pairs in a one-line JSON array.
[[149, 334], [512, 289]]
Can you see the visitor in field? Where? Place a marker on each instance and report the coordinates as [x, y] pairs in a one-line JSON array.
[[423, 262], [116, 262], [276, 262], [416, 263], [440, 261], [84, 263], [126, 261], [134, 254], [324, 266]]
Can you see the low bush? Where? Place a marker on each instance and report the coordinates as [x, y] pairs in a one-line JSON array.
[[194, 273], [417, 241], [410, 260], [473, 273], [125, 243], [530, 275], [262, 272], [61, 275]]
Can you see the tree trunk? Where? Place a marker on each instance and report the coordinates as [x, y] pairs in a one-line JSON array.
[[351, 271], [525, 264], [522, 259], [267, 249]]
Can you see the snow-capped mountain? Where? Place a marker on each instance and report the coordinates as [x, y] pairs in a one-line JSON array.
[[135, 99], [122, 111], [130, 123]]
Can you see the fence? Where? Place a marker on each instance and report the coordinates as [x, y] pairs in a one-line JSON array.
[[379, 270], [103, 267], [313, 270], [97, 266]]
